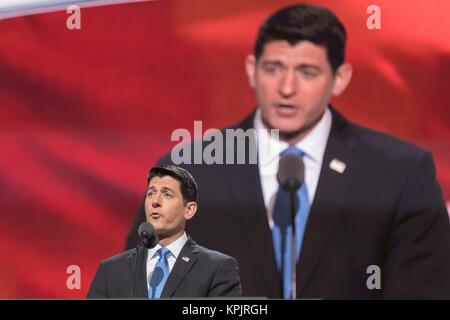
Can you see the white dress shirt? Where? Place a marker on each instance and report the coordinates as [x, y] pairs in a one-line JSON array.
[[153, 256], [313, 145]]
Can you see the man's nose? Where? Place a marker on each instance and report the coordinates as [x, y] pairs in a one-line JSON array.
[[288, 84], [156, 201]]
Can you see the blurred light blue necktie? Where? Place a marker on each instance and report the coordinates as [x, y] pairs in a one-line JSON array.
[[160, 274], [282, 228]]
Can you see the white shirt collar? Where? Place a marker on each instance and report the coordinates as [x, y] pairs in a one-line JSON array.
[[313, 144], [174, 247]]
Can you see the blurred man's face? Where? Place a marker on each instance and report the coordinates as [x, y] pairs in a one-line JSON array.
[[164, 207], [293, 85]]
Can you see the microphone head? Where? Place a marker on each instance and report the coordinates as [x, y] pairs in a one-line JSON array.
[[291, 172], [147, 234]]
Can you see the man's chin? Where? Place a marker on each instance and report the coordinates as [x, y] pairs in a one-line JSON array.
[[289, 130], [290, 134], [296, 130], [286, 125]]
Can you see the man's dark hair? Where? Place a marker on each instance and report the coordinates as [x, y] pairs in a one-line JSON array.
[[305, 22], [188, 185]]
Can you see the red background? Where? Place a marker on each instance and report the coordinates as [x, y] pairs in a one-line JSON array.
[[85, 113]]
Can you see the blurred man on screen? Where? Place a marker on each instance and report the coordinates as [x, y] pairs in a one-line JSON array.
[[371, 222]]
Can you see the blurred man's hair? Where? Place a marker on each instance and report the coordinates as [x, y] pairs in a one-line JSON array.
[[188, 185], [305, 22]]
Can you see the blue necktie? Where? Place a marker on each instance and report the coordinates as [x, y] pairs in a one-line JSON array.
[[282, 228], [160, 274]]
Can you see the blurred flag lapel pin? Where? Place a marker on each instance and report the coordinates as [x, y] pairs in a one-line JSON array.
[[337, 165]]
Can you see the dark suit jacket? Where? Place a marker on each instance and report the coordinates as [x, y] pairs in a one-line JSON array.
[[207, 273], [385, 209]]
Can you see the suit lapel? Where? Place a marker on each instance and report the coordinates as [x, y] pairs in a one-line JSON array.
[[245, 187], [140, 288], [329, 197], [186, 260]]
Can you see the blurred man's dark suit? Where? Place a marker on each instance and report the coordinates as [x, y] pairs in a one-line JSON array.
[[385, 209]]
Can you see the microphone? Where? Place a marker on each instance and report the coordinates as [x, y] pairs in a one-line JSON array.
[[290, 176], [147, 234], [148, 237], [291, 172]]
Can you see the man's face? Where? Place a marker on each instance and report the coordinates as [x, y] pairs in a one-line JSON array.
[[164, 207], [293, 84]]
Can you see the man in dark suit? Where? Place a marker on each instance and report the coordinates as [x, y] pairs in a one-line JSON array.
[[371, 223], [176, 266]]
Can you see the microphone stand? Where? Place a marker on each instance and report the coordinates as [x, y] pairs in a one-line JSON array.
[[293, 195], [149, 239], [133, 280], [290, 176]]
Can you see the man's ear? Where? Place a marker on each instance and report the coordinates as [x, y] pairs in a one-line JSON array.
[[342, 78], [250, 68], [191, 209]]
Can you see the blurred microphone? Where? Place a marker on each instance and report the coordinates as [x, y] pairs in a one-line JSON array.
[[147, 234], [290, 176], [291, 172], [148, 237]]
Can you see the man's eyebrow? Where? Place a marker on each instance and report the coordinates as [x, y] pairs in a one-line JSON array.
[[272, 62], [163, 189], [300, 66], [308, 66], [167, 189]]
